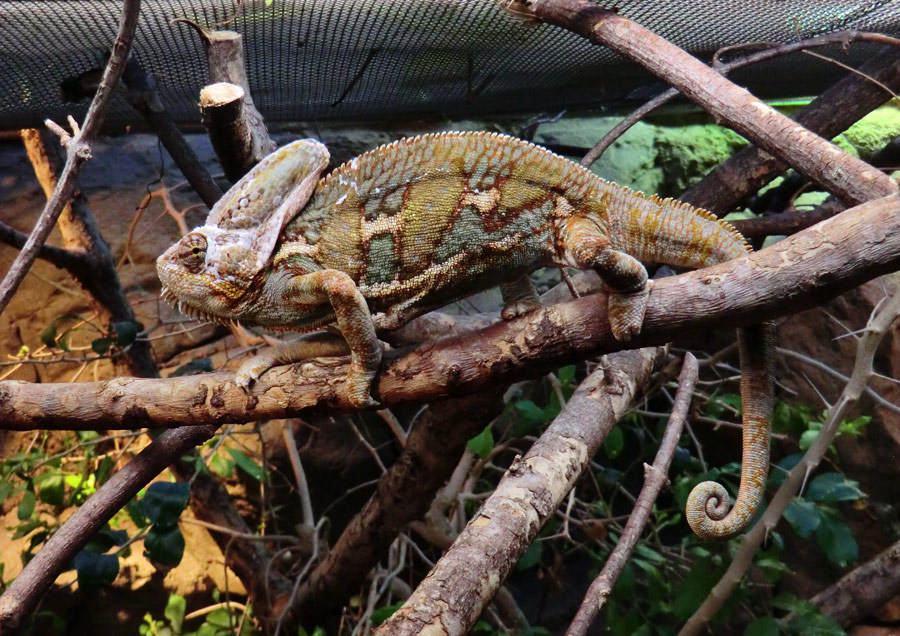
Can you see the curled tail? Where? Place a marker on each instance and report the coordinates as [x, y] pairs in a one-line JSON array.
[[708, 502], [670, 232]]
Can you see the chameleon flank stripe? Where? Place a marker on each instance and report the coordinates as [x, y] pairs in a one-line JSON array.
[[410, 226]]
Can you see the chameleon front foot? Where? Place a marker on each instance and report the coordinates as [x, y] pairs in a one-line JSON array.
[[251, 370]]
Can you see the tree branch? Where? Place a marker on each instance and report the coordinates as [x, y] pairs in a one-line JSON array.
[[848, 177], [829, 114], [403, 494], [656, 478], [452, 596], [79, 151], [35, 579], [799, 272]]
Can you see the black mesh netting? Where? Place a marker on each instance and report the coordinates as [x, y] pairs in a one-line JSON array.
[[334, 59]]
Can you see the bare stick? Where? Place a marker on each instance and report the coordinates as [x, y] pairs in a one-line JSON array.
[[35, 579], [656, 478], [403, 494], [452, 596], [145, 98], [750, 542], [848, 177], [843, 37], [859, 592], [79, 151], [797, 273]]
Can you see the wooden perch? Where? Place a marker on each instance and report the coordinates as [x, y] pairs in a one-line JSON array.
[[450, 599], [848, 177], [795, 274]]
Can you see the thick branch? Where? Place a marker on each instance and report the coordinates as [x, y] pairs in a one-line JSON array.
[[655, 479], [832, 112], [452, 596], [35, 579], [862, 590], [79, 152], [795, 274], [403, 494], [848, 177]]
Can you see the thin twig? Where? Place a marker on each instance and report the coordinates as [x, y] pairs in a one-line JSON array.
[[79, 151], [656, 478]]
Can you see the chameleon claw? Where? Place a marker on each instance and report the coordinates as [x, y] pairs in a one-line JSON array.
[[251, 370]]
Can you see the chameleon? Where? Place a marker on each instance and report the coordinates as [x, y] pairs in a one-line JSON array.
[[416, 224]]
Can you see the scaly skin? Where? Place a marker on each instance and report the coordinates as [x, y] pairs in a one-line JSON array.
[[419, 223]]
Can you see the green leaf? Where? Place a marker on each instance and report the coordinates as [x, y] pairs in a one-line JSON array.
[[383, 613], [614, 443], [222, 466], [5, 489], [246, 464], [174, 612], [101, 345], [126, 332], [164, 502], [164, 545], [694, 588], [26, 506], [833, 487], [723, 405], [194, 367], [51, 488], [566, 375], [808, 438], [482, 444], [531, 557], [103, 470], [530, 417], [837, 541], [63, 341], [762, 626], [855, 427], [48, 335], [95, 570], [803, 516], [133, 508], [779, 473]]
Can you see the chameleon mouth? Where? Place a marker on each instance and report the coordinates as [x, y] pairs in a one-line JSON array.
[[190, 311]]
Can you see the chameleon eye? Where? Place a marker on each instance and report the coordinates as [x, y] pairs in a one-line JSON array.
[[193, 252]]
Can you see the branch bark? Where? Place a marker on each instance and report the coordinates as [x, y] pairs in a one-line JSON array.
[[452, 596], [26, 590], [403, 494], [829, 114], [79, 151], [799, 272], [847, 177], [655, 479], [858, 593]]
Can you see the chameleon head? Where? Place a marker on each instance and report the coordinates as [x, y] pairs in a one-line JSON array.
[[208, 272]]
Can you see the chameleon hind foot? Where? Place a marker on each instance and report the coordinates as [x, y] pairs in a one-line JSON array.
[[519, 298], [626, 312]]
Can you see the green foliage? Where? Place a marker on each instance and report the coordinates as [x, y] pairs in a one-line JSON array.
[[246, 464], [482, 444], [222, 621]]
